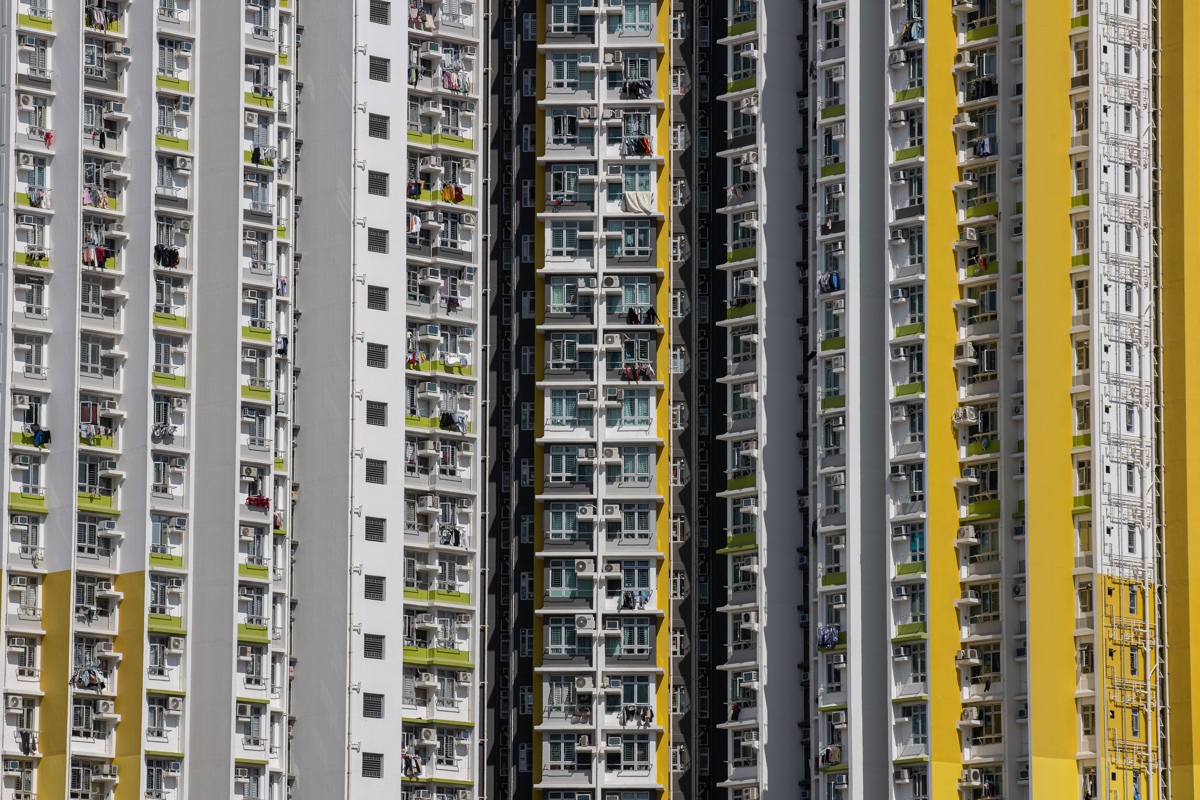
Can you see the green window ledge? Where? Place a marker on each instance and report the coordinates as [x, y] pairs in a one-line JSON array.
[[164, 623], [433, 423], [1083, 440], [737, 312], [909, 94], [171, 143], [166, 560], [1020, 512], [739, 542], [838, 401], [1078, 200], [166, 692], [279, 465], [257, 393], [993, 268], [259, 101], [1020, 445], [1081, 260], [170, 320], [27, 503], [98, 441], [737, 29], [26, 439], [256, 571], [279, 531], [983, 210], [741, 254], [171, 754], [977, 448], [176, 84], [96, 504], [742, 84], [253, 633], [174, 381], [1081, 21], [26, 261], [829, 112], [912, 329], [833, 343], [283, 59], [910, 628], [438, 366], [987, 508], [457, 723], [906, 389], [833, 169], [258, 334], [744, 482], [1081, 504], [833, 579], [247, 155], [256, 762], [37, 23], [437, 655], [281, 231], [1019, 30], [441, 138], [910, 152], [1019, 208], [986, 32], [910, 568]]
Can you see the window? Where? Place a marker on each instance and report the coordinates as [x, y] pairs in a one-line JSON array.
[[1135, 661], [377, 355], [373, 587], [634, 240], [565, 241], [377, 183], [373, 645], [377, 298], [376, 529], [373, 705], [377, 413], [377, 126], [380, 69], [381, 12], [377, 240], [376, 471], [372, 765]]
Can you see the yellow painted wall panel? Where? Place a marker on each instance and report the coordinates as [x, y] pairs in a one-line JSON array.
[[1180, 279], [130, 642], [58, 597], [941, 328]]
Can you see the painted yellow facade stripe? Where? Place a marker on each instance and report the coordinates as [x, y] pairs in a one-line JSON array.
[[58, 594], [941, 328], [1049, 470], [1180, 115], [130, 642]]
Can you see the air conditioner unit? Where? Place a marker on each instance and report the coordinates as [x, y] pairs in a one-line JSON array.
[[16, 702], [245, 653], [838, 73], [583, 566], [104, 707], [612, 568], [183, 164], [178, 464], [901, 776], [241, 774], [898, 472], [251, 119], [249, 236], [899, 236], [114, 107], [585, 622], [899, 354], [900, 653], [584, 683], [900, 592], [175, 704], [18, 521], [612, 282], [249, 472], [837, 719], [966, 415], [178, 402], [897, 119], [970, 474], [185, 226], [899, 413], [970, 234], [12, 767], [837, 600], [244, 710], [970, 177], [971, 715], [897, 58], [749, 618], [17, 581], [175, 644]]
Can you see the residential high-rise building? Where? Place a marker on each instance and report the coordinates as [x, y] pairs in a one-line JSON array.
[[148, 319], [793, 399]]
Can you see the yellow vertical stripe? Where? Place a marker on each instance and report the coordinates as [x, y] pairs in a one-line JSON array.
[[1180, 113], [1048, 404]]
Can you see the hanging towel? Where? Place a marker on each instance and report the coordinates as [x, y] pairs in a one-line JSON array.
[[639, 202]]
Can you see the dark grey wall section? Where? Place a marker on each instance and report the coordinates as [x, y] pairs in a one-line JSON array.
[[323, 339]]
